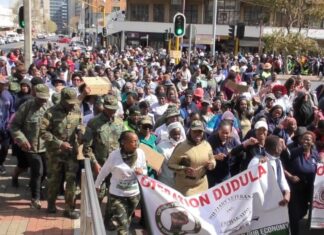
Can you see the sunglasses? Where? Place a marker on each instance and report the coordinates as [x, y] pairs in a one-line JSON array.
[[145, 127]]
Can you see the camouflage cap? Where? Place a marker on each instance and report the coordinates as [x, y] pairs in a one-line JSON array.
[[146, 121], [172, 111], [69, 95], [134, 110], [42, 91], [197, 125], [110, 102]]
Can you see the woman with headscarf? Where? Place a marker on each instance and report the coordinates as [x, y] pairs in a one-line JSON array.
[[124, 194], [282, 99], [166, 147], [190, 160]]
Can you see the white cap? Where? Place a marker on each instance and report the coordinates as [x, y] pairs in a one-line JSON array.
[[261, 124]]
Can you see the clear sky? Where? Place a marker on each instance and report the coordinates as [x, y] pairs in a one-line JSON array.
[[7, 3]]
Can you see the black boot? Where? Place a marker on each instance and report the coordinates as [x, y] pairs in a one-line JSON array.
[[72, 214], [51, 208]]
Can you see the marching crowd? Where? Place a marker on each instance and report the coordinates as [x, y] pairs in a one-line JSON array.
[[210, 118]]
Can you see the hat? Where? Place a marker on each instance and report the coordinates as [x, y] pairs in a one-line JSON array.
[[25, 81], [197, 125], [267, 66], [42, 91], [110, 102], [270, 96], [58, 80], [260, 124], [300, 131], [172, 111], [228, 115], [69, 95], [235, 68], [146, 121], [199, 92], [134, 110], [36, 80]]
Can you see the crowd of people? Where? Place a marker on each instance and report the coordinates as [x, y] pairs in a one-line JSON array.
[[211, 119]]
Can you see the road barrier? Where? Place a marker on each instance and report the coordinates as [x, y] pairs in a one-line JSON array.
[[91, 217]]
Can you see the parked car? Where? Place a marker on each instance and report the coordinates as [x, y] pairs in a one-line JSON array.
[[21, 37], [13, 38], [64, 40], [41, 36]]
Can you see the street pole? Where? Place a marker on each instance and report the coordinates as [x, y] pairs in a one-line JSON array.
[[28, 34], [214, 26], [190, 39]]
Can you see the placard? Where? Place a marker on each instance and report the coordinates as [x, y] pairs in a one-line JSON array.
[[97, 85], [153, 158]]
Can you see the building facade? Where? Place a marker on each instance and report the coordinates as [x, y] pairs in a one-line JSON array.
[[60, 15], [7, 19], [154, 17]]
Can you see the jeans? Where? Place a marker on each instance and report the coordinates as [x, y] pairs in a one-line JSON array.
[[38, 170]]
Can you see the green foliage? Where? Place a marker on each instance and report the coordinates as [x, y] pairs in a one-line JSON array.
[[290, 44]]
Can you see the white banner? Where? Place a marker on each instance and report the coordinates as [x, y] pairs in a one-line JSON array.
[[317, 220], [244, 204]]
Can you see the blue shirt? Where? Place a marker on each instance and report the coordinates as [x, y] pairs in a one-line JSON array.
[[6, 109], [222, 169]]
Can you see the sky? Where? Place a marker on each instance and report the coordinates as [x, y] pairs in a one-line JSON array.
[[6, 3]]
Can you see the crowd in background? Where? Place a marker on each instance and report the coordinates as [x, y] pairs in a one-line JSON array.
[[208, 118]]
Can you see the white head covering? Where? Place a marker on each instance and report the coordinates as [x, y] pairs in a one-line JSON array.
[[174, 125]]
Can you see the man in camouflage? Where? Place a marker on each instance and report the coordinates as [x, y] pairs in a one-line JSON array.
[[25, 132], [60, 129], [101, 136]]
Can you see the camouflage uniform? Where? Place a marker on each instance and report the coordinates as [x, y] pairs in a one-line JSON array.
[[25, 128], [58, 126], [101, 137], [121, 209]]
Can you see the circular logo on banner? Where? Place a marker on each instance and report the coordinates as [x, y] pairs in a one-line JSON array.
[[172, 218]]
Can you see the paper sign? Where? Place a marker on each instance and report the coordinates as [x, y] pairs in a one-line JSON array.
[[236, 87], [153, 158], [97, 85]]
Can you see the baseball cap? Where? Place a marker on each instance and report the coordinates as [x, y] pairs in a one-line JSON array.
[[69, 95], [42, 91], [199, 92], [270, 96], [260, 124], [197, 125], [172, 111], [146, 121], [134, 110], [110, 102]]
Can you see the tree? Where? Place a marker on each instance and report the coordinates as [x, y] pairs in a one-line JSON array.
[[51, 26], [298, 12], [290, 44]]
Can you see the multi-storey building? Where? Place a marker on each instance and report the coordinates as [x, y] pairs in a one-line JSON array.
[[59, 14], [154, 17]]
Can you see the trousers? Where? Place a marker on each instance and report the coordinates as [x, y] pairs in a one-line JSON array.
[[38, 171]]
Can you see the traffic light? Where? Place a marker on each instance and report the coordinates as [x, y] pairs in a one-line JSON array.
[[104, 31], [21, 20], [240, 30], [179, 25], [231, 31]]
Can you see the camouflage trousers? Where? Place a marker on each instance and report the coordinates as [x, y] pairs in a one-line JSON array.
[[119, 212], [56, 170]]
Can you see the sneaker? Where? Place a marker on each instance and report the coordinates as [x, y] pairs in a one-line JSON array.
[[14, 182], [2, 170], [72, 214], [35, 204]]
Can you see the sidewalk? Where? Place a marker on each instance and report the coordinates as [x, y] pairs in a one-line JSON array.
[[16, 216]]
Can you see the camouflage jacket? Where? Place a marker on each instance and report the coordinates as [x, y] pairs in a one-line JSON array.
[[101, 137], [58, 126], [26, 125]]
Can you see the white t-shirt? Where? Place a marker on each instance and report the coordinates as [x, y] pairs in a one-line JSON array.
[[123, 180], [283, 184]]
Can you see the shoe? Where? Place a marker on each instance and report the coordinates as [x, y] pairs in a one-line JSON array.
[[2, 170], [35, 204], [51, 208], [72, 214], [14, 182]]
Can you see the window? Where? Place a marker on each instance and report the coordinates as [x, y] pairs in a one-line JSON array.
[[139, 12], [158, 13], [191, 14], [228, 11], [254, 14], [174, 9], [114, 9]]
